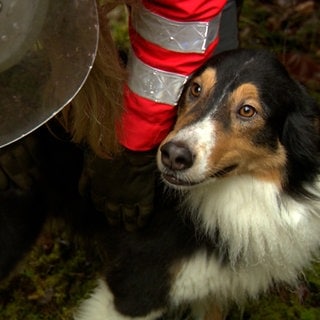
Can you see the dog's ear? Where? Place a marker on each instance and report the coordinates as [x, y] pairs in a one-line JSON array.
[[301, 138]]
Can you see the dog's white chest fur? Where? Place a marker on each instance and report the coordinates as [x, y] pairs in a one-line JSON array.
[[270, 237]]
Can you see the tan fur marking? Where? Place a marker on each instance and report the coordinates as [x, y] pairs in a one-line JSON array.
[[207, 82], [234, 149], [235, 146], [214, 313], [175, 268], [246, 92]]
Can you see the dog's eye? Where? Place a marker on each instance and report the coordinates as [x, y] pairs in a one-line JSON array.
[[247, 111], [195, 89]]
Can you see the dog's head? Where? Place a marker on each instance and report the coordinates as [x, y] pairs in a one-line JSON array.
[[241, 113]]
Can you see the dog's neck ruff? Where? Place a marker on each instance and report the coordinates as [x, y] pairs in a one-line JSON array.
[[257, 222]]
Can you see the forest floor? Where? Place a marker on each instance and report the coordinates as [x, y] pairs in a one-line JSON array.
[[56, 275]]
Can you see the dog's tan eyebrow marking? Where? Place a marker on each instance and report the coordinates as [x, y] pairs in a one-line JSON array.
[[206, 79], [187, 113], [246, 90], [246, 93]]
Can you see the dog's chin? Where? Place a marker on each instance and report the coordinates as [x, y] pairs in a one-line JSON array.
[[182, 183]]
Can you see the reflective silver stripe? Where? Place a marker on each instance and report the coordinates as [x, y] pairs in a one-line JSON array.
[[154, 84], [174, 35]]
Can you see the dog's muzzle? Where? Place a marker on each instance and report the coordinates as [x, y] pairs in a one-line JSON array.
[[175, 158]]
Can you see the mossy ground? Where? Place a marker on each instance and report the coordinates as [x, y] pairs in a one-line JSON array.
[[49, 283], [56, 275]]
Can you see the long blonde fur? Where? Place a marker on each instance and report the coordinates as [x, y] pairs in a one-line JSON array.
[[93, 116]]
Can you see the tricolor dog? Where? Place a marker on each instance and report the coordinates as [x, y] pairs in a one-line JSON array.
[[240, 210]]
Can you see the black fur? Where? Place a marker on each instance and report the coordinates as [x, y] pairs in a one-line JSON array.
[[138, 267], [138, 264], [289, 109]]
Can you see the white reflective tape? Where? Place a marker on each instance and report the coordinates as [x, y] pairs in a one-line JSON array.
[[154, 84], [174, 35]]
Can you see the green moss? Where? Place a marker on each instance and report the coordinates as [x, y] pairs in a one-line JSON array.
[[56, 275], [119, 26], [50, 282], [286, 304]]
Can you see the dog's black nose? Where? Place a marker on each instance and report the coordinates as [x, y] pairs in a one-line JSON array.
[[176, 156]]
